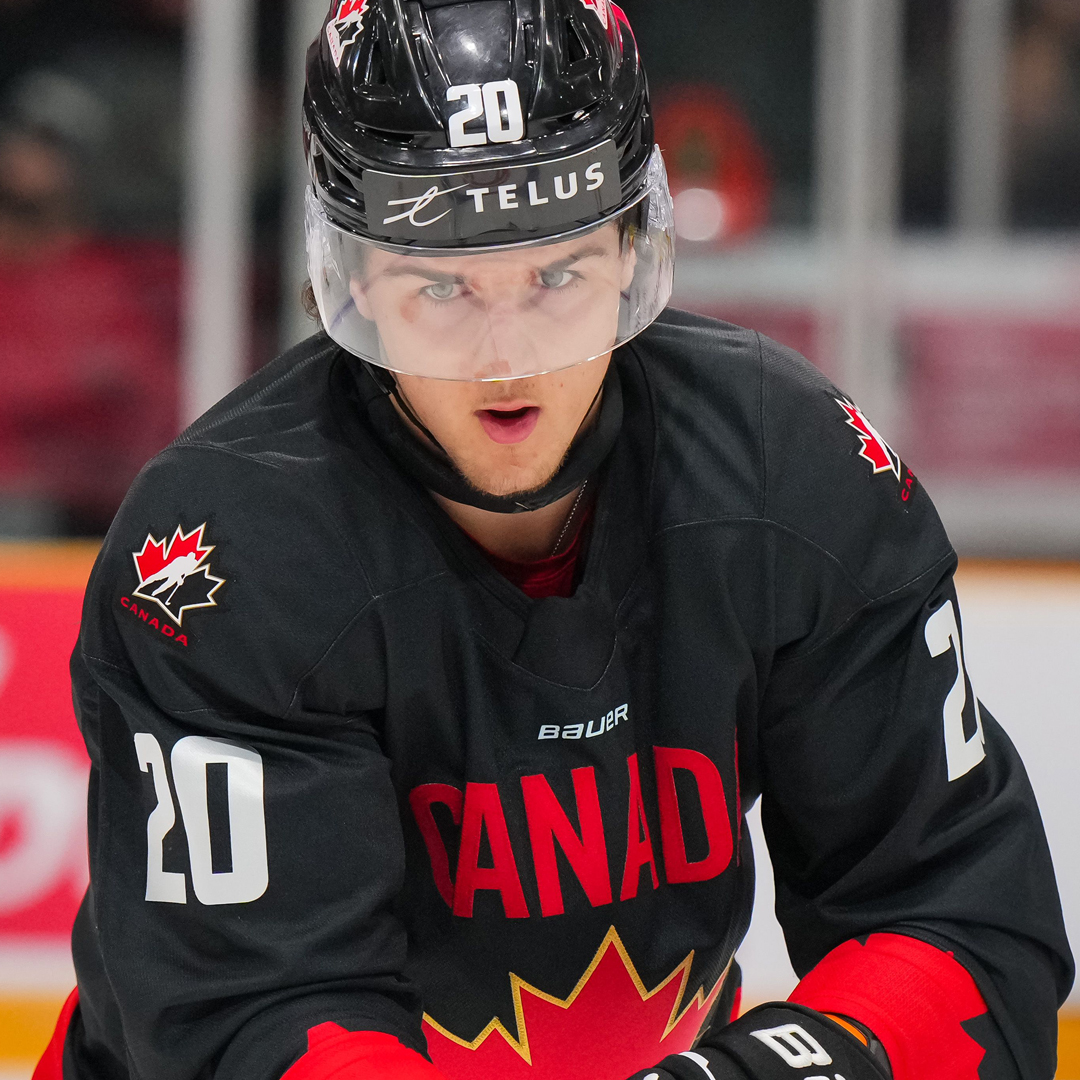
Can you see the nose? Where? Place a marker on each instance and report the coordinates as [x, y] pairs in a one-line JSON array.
[[508, 345], [495, 370]]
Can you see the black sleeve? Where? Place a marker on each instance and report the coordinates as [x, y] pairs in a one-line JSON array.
[[245, 842], [891, 799]]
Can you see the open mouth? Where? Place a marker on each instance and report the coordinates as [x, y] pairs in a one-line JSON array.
[[509, 425]]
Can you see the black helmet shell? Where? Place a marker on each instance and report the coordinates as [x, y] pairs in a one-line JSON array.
[[376, 100]]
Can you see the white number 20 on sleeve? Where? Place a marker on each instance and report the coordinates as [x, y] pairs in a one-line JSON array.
[[248, 876], [961, 753]]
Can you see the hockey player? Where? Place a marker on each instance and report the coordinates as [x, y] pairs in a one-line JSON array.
[[490, 612]]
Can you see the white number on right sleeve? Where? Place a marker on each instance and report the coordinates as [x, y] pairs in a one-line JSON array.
[[161, 885], [247, 879], [248, 876], [961, 754]]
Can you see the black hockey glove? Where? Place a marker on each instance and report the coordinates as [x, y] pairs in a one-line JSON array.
[[778, 1041]]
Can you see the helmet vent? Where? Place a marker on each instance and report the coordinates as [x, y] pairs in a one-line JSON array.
[[576, 47], [375, 74], [394, 138]]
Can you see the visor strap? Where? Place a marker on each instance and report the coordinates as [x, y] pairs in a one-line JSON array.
[[410, 412], [386, 382]]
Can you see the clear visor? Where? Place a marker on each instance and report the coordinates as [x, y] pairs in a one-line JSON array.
[[503, 312]]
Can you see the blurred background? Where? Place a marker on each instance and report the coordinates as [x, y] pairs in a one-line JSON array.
[[892, 187]]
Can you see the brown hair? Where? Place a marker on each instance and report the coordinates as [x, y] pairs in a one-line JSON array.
[[307, 299]]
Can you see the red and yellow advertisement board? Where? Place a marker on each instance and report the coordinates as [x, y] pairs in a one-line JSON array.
[[43, 771]]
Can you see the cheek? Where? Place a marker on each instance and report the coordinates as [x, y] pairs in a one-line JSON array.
[[445, 407], [391, 310], [574, 394]]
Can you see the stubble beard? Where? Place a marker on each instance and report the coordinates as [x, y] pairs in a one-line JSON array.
[[503, 485]]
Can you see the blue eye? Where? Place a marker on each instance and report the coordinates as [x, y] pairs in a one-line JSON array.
[[442, 290], [556, 279]]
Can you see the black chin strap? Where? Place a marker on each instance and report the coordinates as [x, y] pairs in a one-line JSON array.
[[432, 467]]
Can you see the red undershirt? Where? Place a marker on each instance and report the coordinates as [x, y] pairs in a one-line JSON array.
[[553, 576]]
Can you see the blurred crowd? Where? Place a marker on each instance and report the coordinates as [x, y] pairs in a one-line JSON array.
[[92, 172], [1044, 133], [90, 191], [1042, 123]]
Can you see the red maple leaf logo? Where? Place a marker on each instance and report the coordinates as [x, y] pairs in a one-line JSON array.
[[350, 10], [155, 555], [874, 448], [600, 7], [350, 13], [607, 1029]]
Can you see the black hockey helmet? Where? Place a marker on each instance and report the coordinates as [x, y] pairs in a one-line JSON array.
[[388, 89], [449, 142]]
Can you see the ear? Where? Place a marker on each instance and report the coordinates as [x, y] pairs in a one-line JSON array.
[[358, 291]]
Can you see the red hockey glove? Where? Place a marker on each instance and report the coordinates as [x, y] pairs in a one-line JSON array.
[[778, 1041]]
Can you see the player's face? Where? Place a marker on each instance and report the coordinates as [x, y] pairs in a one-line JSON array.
[[491, 315], [479, 316]]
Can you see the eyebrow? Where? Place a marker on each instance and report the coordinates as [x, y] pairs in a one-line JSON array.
[[406, 269], [584, 253]]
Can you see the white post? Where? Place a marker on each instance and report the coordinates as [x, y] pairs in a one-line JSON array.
[[220, 74], [858, 162], [981, 60], [305, 21]]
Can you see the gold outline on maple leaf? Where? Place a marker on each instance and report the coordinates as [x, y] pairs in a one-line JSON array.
[[520, 1045], [165, 545]]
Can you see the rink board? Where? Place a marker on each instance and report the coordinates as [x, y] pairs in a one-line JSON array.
[[1022, 635]]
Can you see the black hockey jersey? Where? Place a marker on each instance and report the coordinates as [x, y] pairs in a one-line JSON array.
[[344, 771]]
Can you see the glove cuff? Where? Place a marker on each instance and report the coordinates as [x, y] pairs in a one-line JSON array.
[[779, 1041]]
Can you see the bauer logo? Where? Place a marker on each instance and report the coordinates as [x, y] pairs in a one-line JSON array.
[[540, 198], [175, 575], [795, 1045]]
